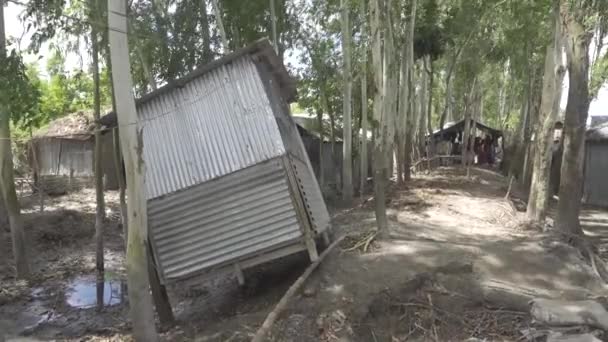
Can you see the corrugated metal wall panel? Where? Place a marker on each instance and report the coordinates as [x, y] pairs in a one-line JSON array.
[[313, 199], [596, 169], [48, 156], [216, 124], [76, 158], [64, 157], [222, 220]]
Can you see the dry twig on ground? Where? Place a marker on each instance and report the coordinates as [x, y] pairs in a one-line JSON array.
[[361, 241]]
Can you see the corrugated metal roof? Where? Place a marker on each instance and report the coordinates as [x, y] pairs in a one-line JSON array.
[[216, 124], [222, 220], [597, 133], [261, 51]]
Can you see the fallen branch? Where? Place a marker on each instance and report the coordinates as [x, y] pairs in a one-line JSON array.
[[274, 314]]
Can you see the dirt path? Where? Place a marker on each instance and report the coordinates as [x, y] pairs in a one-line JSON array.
[[459, 264]]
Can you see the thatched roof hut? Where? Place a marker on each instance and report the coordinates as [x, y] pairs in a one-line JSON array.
[[62, 154]]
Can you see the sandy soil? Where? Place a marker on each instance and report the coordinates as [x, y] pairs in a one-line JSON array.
[[460, 263]]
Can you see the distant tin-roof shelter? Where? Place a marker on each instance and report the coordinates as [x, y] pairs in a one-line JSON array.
[[596, 166], [452, 130], [228, 182], [597, 120], [62, 154]]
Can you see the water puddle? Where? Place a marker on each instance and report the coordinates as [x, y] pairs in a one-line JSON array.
[[85, 292]]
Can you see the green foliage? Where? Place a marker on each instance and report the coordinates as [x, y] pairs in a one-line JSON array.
[[430, 36], [599, 76], [18, 94]]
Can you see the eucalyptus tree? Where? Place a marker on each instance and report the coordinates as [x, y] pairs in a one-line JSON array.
[[19, 101], [580, 22], [538, 199], [347, 160]]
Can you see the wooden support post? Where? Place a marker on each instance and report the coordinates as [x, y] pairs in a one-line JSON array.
[[239, 274], [305, 225], [159, 294]]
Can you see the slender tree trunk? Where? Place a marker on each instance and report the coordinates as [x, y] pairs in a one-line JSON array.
[[402, 114], [410, 123], [205, 32], [120, 175], [120, 170], [140, 299], [422, 112], [273, 18], [220, 25], [7, 180], [429, 116], [552, 85], [321, 139], [529, 124], [347, 162], [391, 87], [467, 145], [332, 134], [577, 110], [380, 127], [476, 108], [364, 120], [98, 171]]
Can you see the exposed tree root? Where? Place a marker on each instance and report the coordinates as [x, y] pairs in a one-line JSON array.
[[587, 250]]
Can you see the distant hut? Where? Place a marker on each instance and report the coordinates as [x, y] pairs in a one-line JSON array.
[[330, 161], [449, 139], [61, 155], [595, 191]]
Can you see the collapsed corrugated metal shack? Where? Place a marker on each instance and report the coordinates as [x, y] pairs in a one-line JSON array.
[[228, 181], [61, 155], [595, 189]]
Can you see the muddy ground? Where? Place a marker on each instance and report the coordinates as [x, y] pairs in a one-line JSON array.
[[460, 263]]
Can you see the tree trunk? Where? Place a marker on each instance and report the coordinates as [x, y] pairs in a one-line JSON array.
[[409, 128], [364, 121], [321, 139], [403, 110], [476, 108], [120, 171], [120, 175], [422, 112], [466, 136], [273, 18], [390, 92], [429, 116], [347, 155], [98, 171], [140, 299], [551, 95], [207, 53], [7, 180], [379, 127], [220, 25], [529, 124], [577, 110]]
